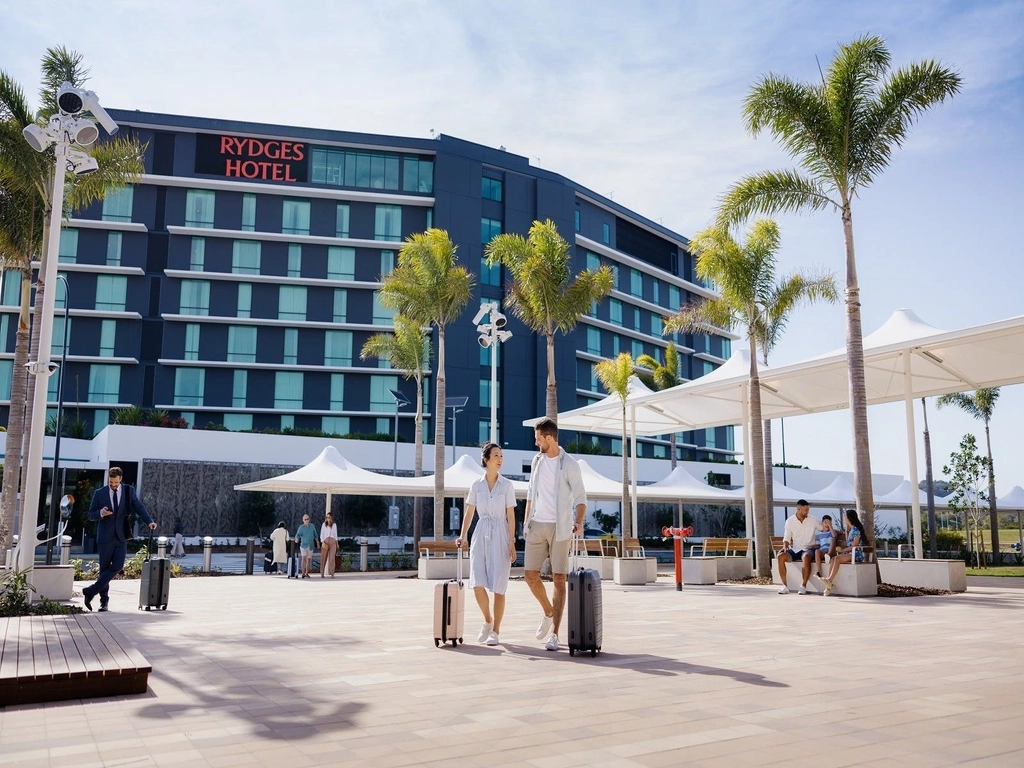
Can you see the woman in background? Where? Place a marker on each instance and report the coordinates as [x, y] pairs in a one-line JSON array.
[[328, 546]]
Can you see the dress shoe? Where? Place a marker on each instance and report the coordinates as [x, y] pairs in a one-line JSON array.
[[88, 599]]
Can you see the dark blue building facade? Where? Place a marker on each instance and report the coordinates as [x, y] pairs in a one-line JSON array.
[[237, 281]]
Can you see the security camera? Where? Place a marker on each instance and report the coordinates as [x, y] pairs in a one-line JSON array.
[[484, 341], [52, 367], [36, 137], [81, 163], [82, 131], [73, 100], [504, 335], [499, 320], [484, 309]]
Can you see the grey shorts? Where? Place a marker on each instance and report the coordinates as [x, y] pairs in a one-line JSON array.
[[541, 544]]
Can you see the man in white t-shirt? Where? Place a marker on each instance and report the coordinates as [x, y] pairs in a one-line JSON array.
[[798, 544], [555, 506]]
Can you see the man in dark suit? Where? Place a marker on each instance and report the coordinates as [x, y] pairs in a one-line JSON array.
[[112, 507]]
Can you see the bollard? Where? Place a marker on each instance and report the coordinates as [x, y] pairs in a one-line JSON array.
[[677, 535], [250, 554], [65, 550], [363, 545], [207, 553], [161, 547]]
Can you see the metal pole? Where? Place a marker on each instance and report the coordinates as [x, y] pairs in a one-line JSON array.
[[915, 499], [52, 525], [394, 471], [933, 533], [632, 471], [494, 383], [782, 426]]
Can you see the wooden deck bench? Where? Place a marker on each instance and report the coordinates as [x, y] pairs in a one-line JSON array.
[[440, 549], [440, 560], [735, 556], [56, 658]]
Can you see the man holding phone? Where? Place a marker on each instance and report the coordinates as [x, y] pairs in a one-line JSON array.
[[112, 507]]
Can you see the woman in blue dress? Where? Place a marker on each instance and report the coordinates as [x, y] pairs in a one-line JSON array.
[[853, 552], [492, 499]]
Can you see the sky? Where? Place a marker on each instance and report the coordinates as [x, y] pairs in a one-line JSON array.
[[641, 102]]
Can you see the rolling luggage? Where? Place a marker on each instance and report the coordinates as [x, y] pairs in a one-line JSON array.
[[156, 581], [450, 608], [269, 566], [584, 606], [291, 566]]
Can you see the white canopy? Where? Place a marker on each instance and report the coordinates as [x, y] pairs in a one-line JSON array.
[[598, 486], [605, 416], [680, 485], [903, 496], [1014, 500], [459, 477], [330, 472]]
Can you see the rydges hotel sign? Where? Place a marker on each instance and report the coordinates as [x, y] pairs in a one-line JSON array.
[[242, 157]]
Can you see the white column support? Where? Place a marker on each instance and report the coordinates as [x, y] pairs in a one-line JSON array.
[[632, 470], [748, 497], [915, 499]]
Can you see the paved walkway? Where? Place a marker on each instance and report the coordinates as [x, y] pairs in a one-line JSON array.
[[265, 671]]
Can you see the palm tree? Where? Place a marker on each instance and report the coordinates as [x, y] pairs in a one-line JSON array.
[[614, 376], [26, 179], [543, 292], [746, 276], [430, 288], [656, 376], [842, 132], [980, 405], [408, 351]]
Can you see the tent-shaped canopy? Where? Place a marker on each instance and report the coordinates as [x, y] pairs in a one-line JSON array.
[[330, 472], [599, 487], [605, 416], [459, 477], [680, 485], [1013, 501], [902, 496]]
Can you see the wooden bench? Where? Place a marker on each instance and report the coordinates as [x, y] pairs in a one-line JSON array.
[[440, 560], [853, 579], [626, 572], [734, 556], [727, 547], [440, 549], [56, 658]]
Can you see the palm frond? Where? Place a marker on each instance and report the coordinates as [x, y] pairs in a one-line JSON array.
[[428, 286], [120, 163], [614, 374], [59, 65], [770, 193]]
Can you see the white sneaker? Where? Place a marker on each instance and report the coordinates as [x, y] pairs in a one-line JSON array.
[[784, 590], [544, 628], [485, 632], [492, 639], [802, 591], [552, 643]]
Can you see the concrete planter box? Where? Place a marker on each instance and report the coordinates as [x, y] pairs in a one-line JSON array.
[[735, 567], [700, 570], [54, 582], [853, 580], [441, 568], [950, 575], [603, 565], [631, 570]]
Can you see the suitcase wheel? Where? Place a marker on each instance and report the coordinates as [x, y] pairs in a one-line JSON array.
[[460, 641], [593, 653], [437, 643], [163, 607], [455, 643], [147, 607], [572, 651]]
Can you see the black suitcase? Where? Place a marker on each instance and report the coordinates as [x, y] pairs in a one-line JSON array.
[[269, 566], [156, 582], [584, 606]]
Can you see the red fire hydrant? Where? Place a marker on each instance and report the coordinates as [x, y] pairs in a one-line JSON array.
[[678, 534]]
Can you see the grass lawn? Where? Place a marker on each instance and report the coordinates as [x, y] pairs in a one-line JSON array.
[[1005, 570]]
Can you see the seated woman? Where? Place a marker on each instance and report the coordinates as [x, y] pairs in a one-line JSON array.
[[854, 539]]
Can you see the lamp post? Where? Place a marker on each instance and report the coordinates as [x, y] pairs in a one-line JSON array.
[[491, 334], [400, 402], [66, 130], [54, 501]]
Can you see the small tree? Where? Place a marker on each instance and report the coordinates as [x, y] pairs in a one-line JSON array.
[[257, 513], [967, 471]]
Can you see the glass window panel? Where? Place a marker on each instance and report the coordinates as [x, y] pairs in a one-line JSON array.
[[615, 311], [726, 349], [673, 297], [117, 203], [489, 229], [595, 384], [576, 221], [485, 393], [341, 220], [709, 437], [100, 419], [616, 344], [57, 340], [287, 421], [295, 217], [239, 389], [656, 291], [110, 292], [248, 213], [11, 288], [430, 218], [104, 383], [636, 283], [363, 171], [606, 233], [67, 251], [337, 391], [291, 346], [334, 425], [192, 341], [197, 254], [636, 318], [349, 162], [489, 275], [490, 189], [294, 260], [199, 205], [593, 262], [656, 325], [291, 302], [381, 315], [341, 263], [242, 343], [615, 276], [426, 180], [387, 263], [338, 348], [245, 257], [244, 300], [288, 390], [189, 384], [380, 397], [238, 422], [390, 172], [388, 223], [5, 325], [195, 297], [114, 249], [638, 348], [6, 376], [593, 340], [377, 172], [340, 305]]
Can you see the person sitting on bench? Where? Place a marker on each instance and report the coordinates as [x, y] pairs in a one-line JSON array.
[[853, 553], [798, 544]]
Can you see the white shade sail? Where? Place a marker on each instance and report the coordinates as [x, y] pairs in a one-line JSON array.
[[605, 416], [1014, 500], [459, 477], [680, 485]]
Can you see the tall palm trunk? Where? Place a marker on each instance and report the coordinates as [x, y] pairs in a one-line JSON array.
[[627, 512], [439, 439], [858, 388], [417, 504], [761, 534], [551, 394], [16, 420], [769, 474], [993, 513]]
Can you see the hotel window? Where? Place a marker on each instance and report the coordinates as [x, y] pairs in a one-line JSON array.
[[615, 311], [195, 297], [11, 295], [199, 205], [248, 213], [615, 276], [62, 296], [657, 327], [238, 422], [616, 341], [244, 300], [593, 262], [709, 438], [595, 384], [294, 260], [708, 366], [242, 343], [291, 302], [287, 422], [288, 390], [240, 389], [117, 204], [197, 255], [295, 217], [337, 391], [341, 263], [192, 341], [5, 325], [104, 383], [57, 339], [726, 349], [656, 291], [110, 292], [636, 318], [485, 393], [340, 305], [369, 170], [113, 249], [380, 397], [334, 425], [638, 348], [673, 297], [489, 275], [593, 340], [341, 220], [485, 355], [576, 219], [419, 175], [491, 189], [388, 223], [338, 348], [245, 257], [100, 419], [387, 263], [6, 377], [291, 346], [606, 234], [489, 229], [67, 251], [52, 383], [636, 283], [382, 315]]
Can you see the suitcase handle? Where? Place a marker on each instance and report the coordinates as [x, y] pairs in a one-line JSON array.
[[458, 556]]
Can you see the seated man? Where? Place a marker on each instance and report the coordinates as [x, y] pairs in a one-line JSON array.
[[798, 543]]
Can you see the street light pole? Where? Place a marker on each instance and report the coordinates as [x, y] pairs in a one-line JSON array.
[[491, 334], [54, 499], [400, 400]]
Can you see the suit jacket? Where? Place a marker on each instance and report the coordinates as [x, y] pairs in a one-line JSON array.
[[116, 527]]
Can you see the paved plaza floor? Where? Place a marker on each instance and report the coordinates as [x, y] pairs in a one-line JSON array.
[[262, 671]]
